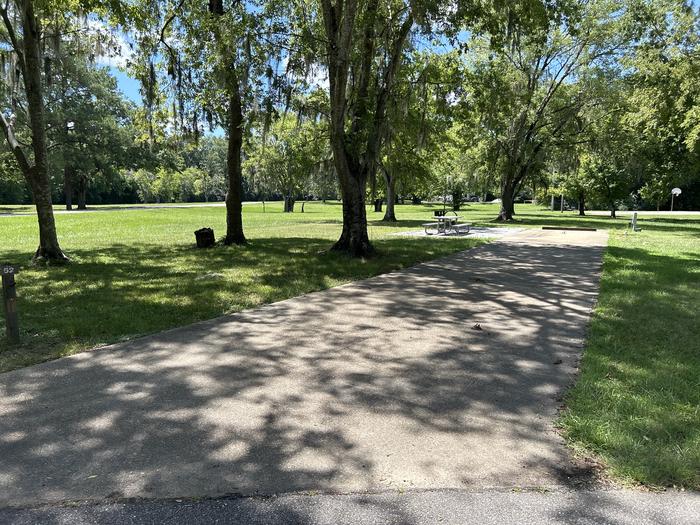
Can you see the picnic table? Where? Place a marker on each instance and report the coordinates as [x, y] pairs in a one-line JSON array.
[[446, 224]]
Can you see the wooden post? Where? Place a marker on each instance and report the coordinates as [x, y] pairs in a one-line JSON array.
[[9, 294]]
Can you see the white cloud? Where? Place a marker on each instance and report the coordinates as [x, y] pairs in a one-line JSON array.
[[114, 49], [318, 76]]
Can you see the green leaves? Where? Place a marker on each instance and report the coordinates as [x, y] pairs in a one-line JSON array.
[[290, 158]]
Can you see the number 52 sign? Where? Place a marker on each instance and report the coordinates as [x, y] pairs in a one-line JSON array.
[[9, 296]]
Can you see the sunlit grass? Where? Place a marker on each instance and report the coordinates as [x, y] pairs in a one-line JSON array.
[[636, 404]]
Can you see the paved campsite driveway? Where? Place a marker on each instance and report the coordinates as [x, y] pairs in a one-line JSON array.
[[381, 384]]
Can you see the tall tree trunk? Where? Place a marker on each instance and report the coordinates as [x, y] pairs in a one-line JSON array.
[[511, 181], [354, 239], [288, 203], [68, 187], [339, 22], [389, 214], [82, 193], [354, 163], [30, 63], [581, 204], [456, 201], [234, 205], [48, 239], [507, 197]]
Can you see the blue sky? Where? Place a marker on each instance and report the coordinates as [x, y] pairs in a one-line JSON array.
[[130, 88], [127, 85]]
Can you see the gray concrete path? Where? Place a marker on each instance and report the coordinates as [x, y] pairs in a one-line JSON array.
[[478, 232], [128, 207], [445, 375], [410, 508], [642, 213]]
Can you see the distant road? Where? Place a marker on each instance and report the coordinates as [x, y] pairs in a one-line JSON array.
[[132, 207], [643, 212], [129, 207]]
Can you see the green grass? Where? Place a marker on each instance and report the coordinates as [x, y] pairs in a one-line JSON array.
[[137, 272], [636, 406]]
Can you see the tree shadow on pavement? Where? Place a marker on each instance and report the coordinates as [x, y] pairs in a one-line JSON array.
[[448, 374]]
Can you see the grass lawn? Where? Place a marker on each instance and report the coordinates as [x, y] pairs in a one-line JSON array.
[[136, 272], [636, 406]]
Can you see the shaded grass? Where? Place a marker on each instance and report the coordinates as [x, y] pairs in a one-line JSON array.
[[137, 272], [636, 404]]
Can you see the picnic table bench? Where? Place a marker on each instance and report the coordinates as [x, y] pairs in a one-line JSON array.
[[446, 224]]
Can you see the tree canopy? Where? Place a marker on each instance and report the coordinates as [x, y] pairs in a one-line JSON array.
[[363, 101]]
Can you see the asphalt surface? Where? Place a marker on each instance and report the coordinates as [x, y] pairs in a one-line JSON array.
[[445, 375], [641, 213], [411, 508], [134, 207]]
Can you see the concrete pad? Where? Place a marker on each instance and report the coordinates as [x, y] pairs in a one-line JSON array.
[[377, 385], [478, 232]]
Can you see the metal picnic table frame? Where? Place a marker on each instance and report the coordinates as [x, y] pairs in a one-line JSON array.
[[446, 224]]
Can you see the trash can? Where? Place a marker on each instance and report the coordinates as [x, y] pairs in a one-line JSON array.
[[205, 237]]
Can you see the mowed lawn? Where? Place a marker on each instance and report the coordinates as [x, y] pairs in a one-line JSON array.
[[636, 405], [136, 272]]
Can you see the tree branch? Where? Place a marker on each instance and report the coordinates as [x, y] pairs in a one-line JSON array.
[[17, 47], [14, 145]]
